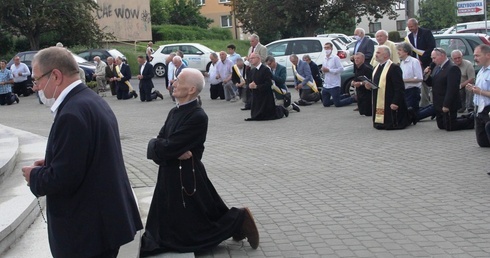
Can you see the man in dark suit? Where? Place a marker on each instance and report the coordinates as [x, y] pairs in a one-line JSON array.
[[445, 80], [364, 96], [421, 39], [315, 72], [303, 81], [279, 77], [389, 107], [146, 84], [263, 105], [90, 206], [110, 73], [123, 75], [363, 45]]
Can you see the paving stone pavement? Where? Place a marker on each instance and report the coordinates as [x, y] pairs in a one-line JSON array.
[[322, 182]]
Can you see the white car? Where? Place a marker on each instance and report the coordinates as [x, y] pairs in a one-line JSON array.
[[312, 46], [196, 55]]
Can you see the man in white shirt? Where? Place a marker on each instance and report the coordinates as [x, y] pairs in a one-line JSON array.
[[412, 76], [20, 71], [332, 68], [99, 74], [216, 83]]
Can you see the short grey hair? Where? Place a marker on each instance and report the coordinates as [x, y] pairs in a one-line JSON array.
[[255, 36], [386, 50], [384, 32], [405, 47], [456, 51]]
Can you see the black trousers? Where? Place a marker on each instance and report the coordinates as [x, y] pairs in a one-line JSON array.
[[217, 91], [482, 127], [450, 122], [20, 88]]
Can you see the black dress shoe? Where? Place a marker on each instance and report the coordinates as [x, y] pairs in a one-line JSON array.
[[16, 98], [135, 95], [286, 111], [249, 119], [160, 95], [245, 108], [295, 107]]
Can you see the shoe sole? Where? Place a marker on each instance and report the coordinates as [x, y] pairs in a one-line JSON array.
[[253, 228]]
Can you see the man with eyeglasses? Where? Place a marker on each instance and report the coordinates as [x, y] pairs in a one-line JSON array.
[[90, 206], [445, 80], [6, 81]]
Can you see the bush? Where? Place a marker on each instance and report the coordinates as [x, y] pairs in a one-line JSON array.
[[394, 36], [188, 33]]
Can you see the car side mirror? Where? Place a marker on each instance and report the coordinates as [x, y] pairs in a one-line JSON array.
[[199, 53]]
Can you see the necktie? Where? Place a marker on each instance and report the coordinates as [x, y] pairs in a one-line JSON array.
[[438, 69]]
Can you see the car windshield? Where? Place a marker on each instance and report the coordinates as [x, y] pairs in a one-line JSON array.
[[116, 53], [79, 59]]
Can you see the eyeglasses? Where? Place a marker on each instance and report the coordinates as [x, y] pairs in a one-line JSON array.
[[34, 80]]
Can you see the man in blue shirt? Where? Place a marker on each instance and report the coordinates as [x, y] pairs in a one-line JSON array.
[[481, 98], [6, 82]]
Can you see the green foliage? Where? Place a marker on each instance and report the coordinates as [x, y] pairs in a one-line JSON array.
[[178, 32], [180, 12], [71, 21], [274, 19], [394, 36], [6, 43], [159, 12], [437, 14], [92, 84]]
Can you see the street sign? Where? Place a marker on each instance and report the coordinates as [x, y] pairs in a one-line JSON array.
[[468, 8]]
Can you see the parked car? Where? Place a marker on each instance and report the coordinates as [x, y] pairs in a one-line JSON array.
[[466, 25], [89, 54], [342, 37], [27, 56], [476, 30], [313, 46], [465, 42], [350, 47], [196, 55]]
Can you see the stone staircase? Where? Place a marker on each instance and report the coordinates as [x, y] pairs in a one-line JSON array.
[[23, 232]]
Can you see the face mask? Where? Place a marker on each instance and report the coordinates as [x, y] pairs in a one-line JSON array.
[[96, 63], [47, 102], [356, 37], [328, 52]]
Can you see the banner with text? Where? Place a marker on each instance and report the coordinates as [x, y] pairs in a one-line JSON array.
[[468, 8]]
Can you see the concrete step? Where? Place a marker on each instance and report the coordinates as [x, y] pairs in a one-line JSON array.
[[18, 206], [9, 147], [23, 232]]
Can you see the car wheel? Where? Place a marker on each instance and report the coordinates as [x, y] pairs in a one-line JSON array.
[[348, 89], [159, 70]]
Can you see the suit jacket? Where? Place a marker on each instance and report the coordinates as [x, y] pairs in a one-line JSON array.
[[148, 74], [426, 42], [445, 87], [261, 50], [90, 204], [178, 70], [366, 47], [110, 73], [315, 73], [126, 76], [303, 69], [279, 78], [235, 78]]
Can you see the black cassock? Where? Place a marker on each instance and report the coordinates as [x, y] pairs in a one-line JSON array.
[[263, 105], [177, 221], [364, 98], [394, 94]]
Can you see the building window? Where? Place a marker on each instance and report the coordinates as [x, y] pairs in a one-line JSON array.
[[401, 25], [200, 2], [226, 21], [224, 1], [400, 6], [374, 27]]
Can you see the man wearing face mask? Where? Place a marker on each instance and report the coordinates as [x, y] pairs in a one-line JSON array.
[[90, 206], [363, 45]]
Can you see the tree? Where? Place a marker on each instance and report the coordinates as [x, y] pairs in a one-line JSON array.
[[178, 12], [71, 20], [437, 14], [275, 19]]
